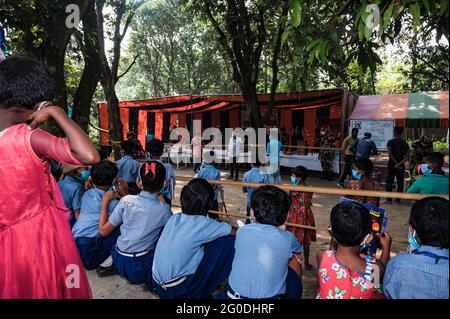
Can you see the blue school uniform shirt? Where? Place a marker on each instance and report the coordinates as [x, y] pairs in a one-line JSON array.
[[180, 248], [72, 191], [261, 258], [128, 168], [254, 176], [141, 219], [91, 205], [209, 172], [417, 276], [274, 146], [168, 191]]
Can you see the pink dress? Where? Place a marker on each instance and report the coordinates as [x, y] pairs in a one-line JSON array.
[[38, 255]]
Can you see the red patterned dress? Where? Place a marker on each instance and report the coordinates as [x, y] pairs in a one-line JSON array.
[[301, 213], [336, 282]]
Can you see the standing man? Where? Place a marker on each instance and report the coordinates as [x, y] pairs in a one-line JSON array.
[[398, 151], [234, 150], [364, 147], [196, 144], [326, 141], [348, 155]]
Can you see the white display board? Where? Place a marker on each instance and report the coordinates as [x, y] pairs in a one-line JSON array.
[[382, 131]]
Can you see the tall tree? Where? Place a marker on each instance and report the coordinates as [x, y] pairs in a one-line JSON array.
[[88, 41], [123, 14], [241, 31]]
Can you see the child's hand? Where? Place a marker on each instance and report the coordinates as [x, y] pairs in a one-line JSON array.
[[109, 196], [122, 188], [385, 241], [44, 112]]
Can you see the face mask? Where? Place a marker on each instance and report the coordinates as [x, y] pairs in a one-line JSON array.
[[294, 181], [85, 175], [356, 175], [425, 169], [412, 240]]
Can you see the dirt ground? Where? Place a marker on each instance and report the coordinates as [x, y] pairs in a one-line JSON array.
[[116, 287]]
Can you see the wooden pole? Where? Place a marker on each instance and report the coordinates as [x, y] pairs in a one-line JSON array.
[[322, 190]]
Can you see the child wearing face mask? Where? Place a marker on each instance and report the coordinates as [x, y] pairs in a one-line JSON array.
[[422, 274], [364, 179], [433, 180], [344, 273], [301, 212], [72, 189]]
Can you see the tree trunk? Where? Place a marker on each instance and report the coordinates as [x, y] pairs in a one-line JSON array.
[[115, 125], [91, 73]]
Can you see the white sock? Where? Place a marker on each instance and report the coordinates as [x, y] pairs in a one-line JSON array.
[[107, 262]]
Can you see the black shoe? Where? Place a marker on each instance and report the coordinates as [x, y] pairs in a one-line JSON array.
[[106, 271], [397, 201]]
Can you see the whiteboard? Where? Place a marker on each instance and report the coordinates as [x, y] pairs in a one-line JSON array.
[[382, 131]]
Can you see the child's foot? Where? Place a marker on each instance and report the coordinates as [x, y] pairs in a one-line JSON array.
[[106, 271]]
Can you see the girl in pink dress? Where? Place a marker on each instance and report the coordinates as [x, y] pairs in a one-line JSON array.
[[39, 258], [344, 273]]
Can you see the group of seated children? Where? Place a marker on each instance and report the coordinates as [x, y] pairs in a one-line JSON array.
[[101, 244], [190, 256], [196, 254]]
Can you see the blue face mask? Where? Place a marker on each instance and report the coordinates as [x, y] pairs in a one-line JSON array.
[[425, 169], [412, 240], [294, 181], [356, 175], [85, 175]]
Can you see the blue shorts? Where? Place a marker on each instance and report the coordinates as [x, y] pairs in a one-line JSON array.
[[135, 269], [94, 250], [294, 289], [214, 268]]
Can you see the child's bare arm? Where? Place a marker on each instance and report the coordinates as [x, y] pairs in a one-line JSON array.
[[385, 241], [295, 263], [233, 231], [104, 226], [80, 144]]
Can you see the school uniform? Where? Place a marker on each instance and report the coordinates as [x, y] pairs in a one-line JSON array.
[[192, 258], [93, 248], [72, 191], [129, 170], [141, 219], [210, 172], [273, 151], [254, 176], [260, 266]]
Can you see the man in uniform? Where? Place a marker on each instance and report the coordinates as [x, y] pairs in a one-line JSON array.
[[138, 151], [326, 156]]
